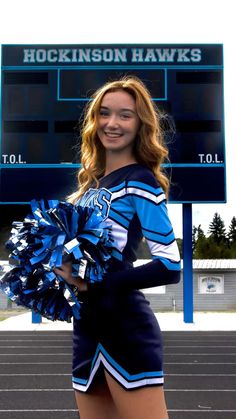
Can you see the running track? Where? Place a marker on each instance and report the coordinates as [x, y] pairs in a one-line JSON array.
[[35, 375]]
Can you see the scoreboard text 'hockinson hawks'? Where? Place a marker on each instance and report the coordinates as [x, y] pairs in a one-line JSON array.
[[45, 89], [112, 55]]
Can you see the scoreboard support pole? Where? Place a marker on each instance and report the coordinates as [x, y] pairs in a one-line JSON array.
[[187, 264], [36, 317]]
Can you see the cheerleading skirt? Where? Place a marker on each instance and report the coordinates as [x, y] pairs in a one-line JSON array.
[[118, 333]]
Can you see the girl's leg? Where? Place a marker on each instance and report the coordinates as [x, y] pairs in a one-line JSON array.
[[97, 403], [146, 402]]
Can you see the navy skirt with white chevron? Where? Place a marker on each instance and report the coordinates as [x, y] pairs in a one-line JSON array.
[[118, 333]]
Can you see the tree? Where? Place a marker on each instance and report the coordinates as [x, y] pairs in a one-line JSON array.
[[232, 232], [218, 244], [200, 232], [194, 238], [201, 246], [218, 251], [232, 238], [217, 230]]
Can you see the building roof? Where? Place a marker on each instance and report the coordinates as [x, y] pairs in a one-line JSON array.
[[203, 264], [224, 264]]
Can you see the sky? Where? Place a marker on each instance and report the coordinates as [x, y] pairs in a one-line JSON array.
[[150, 22]]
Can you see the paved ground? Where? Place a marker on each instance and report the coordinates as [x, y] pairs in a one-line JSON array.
[[35, 374], [168, 321], [200, 374]]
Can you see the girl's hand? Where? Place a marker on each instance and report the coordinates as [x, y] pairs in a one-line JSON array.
[[65, 271]]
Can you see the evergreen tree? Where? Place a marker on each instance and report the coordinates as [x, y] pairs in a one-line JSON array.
[[200, 232], [194, 238], [232, 251], [200, 250], [232, 232], [218, 251], [232, 238], [219, 244], [217, 230]]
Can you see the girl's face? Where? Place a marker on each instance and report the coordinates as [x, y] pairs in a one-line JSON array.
[[118, 122]]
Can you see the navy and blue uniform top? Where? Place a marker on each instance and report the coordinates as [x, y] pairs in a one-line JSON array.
[[117, 330]]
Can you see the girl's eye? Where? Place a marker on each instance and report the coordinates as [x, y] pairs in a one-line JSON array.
[[125, 116], [103, 113]]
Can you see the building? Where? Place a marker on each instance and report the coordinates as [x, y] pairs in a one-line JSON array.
[[214, 285]]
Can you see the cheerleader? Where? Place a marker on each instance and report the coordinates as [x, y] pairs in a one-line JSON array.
[[117, 342]]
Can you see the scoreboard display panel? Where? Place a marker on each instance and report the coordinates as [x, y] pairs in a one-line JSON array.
[[45, 89]]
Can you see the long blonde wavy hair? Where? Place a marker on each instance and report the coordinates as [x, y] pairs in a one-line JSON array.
[[149, 148]]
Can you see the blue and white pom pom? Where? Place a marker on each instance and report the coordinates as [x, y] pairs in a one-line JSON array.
[[53, 233]]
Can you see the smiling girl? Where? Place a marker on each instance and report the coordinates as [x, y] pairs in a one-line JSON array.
[[117, 361]]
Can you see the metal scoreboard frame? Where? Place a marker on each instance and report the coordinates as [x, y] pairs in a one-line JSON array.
[[44, 90]]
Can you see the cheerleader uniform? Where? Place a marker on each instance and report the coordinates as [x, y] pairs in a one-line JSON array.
[[117, 330]]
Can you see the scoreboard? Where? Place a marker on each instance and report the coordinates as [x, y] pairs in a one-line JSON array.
[[44, 89]]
